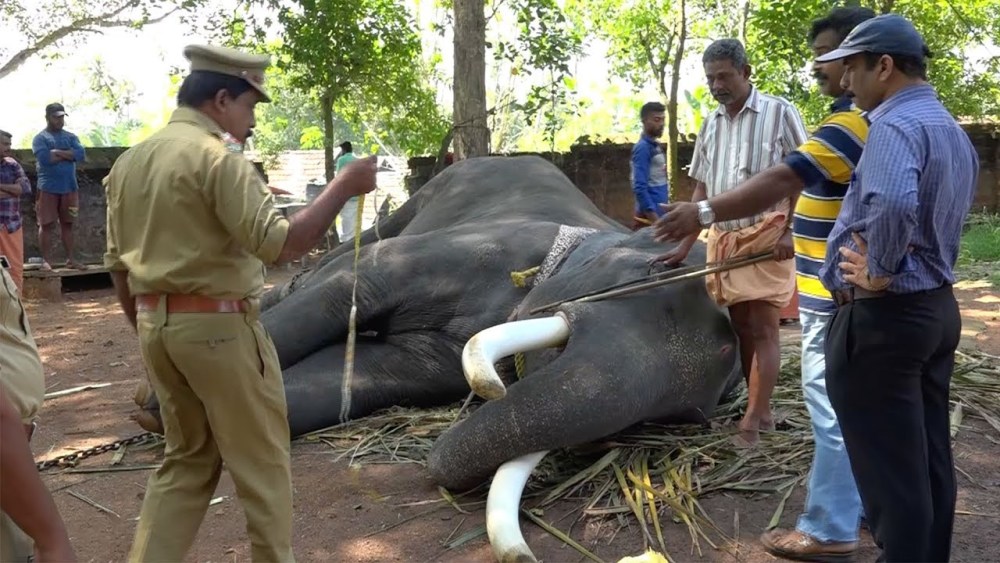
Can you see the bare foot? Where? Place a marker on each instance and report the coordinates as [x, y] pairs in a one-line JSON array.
[[75, 265], [750, 428], [45, 267]]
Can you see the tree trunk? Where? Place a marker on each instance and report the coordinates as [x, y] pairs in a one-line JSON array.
[[472, 134], [326, 103], [673, 161]]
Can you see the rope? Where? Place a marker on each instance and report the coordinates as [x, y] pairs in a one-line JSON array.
[[520, 279], [352, 328], [519, 364]]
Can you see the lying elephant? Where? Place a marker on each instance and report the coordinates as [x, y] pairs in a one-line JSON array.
[[436, 276]]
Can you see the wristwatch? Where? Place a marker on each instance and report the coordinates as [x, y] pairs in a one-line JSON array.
[[705, 214]]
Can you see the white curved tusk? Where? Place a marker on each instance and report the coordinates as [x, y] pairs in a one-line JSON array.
[[489, 345], [503, 506]]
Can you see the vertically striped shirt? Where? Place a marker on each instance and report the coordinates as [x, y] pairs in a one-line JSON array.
[[910, 194], [730, 150], [824, 163]]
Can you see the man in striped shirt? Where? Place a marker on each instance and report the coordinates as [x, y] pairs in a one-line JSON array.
[[821, 170], [750, 132]]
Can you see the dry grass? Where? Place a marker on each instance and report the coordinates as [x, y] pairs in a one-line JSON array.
[[653, 474]]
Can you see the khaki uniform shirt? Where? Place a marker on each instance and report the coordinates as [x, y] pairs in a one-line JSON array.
[[187, 216], [22, 378]]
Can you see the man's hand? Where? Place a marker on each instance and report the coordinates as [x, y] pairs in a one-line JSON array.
[[357, 178], [677, 254], [856, 267], [784, 249], [681, 220]]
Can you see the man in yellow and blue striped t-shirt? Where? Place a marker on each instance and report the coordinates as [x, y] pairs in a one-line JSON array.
[[824, 163], [821, 169]]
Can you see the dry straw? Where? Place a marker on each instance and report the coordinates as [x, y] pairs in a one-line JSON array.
[[653, 474]]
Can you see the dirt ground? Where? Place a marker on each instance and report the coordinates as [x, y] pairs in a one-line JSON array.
[[391, 512]]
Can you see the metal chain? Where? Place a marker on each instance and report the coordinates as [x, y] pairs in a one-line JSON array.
[[70, 460]]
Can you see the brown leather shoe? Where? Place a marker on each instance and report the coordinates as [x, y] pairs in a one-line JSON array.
[[793, 544]]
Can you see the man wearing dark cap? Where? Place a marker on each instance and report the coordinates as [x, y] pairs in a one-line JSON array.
[[190, 226], [57, 151], [890, 346]]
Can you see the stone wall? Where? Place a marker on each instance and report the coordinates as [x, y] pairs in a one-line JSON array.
[[602, 172]]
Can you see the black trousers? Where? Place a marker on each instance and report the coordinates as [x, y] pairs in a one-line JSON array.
[[889, 362]]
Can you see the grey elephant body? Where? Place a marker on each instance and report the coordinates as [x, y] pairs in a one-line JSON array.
[[438, 271]]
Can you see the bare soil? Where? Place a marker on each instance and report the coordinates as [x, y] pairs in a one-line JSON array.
[[391, 512]]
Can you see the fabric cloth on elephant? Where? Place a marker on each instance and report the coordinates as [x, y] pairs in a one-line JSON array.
[[566, 240], [22, 380], [770, 281]]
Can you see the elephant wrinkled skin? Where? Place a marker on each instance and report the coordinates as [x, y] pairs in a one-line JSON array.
[[438, 271]]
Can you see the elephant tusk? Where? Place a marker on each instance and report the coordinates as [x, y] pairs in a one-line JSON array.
[[503, 506], [489, 345]]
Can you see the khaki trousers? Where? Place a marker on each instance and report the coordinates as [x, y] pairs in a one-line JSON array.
[[222, 399], [22, 380]]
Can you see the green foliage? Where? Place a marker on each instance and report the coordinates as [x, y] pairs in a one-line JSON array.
[[363, 57], [46, 29], [779, 51], [546, 41], [981, 240], [640, 36]]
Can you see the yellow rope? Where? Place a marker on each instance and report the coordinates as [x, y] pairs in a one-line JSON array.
[[352, 329], [519, 364], [520, 279]]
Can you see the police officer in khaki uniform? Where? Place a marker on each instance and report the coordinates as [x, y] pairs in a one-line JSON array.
[[190, 227], [28, 512]]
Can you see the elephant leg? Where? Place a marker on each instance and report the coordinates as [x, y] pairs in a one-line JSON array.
[[313, 317], [317, 396]]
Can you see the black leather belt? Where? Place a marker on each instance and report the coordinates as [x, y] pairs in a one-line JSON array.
[[844, 296]]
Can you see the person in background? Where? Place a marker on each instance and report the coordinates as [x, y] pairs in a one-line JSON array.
[[649, 167], [14, 185], [890, 347], [57, 151], [27, 512], [349, 214], [750, 132]]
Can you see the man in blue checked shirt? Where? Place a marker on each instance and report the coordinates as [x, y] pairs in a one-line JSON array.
[[649, 167], [890, 347]]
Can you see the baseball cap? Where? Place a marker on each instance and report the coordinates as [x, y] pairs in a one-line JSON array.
[[889, 34], [55, 109]]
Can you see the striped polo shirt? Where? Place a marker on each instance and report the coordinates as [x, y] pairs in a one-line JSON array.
[[730, 150], [825, 164]]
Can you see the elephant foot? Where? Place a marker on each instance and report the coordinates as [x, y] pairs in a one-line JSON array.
[[148, 421], [148, 416]]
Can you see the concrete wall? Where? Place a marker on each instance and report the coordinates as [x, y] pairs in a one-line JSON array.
[[602, 172]]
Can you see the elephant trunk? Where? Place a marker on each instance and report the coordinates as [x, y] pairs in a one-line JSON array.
[[503, 507], [486, 347]]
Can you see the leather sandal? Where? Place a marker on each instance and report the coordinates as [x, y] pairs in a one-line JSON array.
[[793, 544]]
